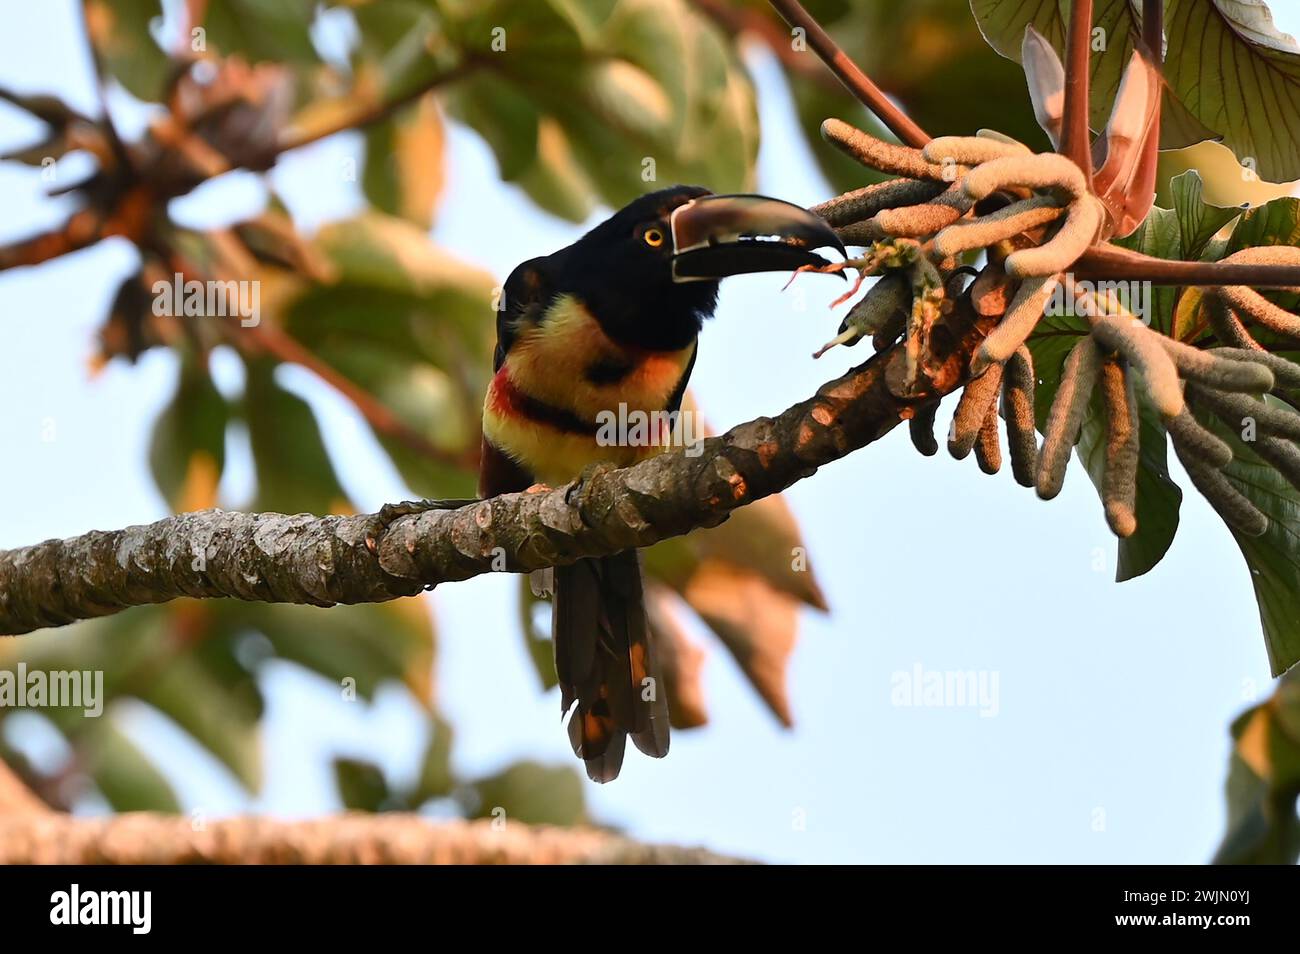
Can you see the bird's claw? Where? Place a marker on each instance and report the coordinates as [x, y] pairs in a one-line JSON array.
[[588, 472], [388, 513]]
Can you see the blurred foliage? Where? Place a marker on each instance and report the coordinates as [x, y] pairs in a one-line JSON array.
[[1264, 781], [584, 103]]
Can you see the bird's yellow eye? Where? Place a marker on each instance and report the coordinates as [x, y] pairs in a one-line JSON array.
[[654, 237]]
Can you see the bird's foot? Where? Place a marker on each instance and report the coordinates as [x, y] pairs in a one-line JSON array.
[[391, 512], [588, 472]]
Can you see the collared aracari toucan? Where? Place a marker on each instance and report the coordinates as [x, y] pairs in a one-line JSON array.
[[612, 320]]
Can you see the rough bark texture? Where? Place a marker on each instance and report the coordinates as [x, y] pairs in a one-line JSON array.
[[325, 561], [143, 838]]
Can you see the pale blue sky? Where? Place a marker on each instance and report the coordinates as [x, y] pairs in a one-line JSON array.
[[1114, 699]]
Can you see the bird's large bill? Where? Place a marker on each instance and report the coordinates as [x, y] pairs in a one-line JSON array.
[[717, 236]]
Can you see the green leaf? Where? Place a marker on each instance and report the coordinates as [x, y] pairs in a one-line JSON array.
[[124, 775], [361, 784], [393, 55], [504, 116], [369, 644], [531, 793], [1274, 558], [1197, 221], [601, 100], [1240, 77], [1159, 235], [294, 473], [1273, 223], [1264, 782], [178, 658], [414, 327], [436, 777], [277, 30], [163, 655], [214, 701], [404, 163], [121, 33], [188, 449], [1003, 23], [537, 641]]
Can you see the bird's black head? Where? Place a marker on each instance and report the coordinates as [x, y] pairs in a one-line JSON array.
[[650, 273]]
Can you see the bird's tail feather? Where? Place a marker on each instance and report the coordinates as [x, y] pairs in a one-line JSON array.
[[605, 661]]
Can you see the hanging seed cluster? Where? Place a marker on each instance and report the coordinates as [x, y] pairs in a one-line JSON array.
[[1034, 216]]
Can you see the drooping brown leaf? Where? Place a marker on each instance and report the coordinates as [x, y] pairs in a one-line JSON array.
[[754, 621]]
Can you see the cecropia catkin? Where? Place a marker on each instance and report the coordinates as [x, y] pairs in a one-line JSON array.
[[1039, 172], [1218, 370], [1065, 419], [1285, 373], [1283, 455], [1245, 414], [1018, 410], [970, 150], [921, 429], [1077, 232], [1236, 511], [979, 395], [883, 156], [1016, 325], [986, 230], [1141, 346], [988, 446], [1249, 303], [1119, 476], [1196, 441], [861, 204]]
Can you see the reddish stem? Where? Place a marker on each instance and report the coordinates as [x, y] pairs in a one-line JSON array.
[[848, 73], [1076, 136], [1113, 263]]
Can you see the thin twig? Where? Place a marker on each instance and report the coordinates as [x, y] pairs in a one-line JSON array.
[[848, 73], [374, 113]]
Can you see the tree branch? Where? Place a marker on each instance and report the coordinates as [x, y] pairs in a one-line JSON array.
[[324, 561], [850, 74], [296, 138], [16, 798], [353, 838], [80, 231]]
